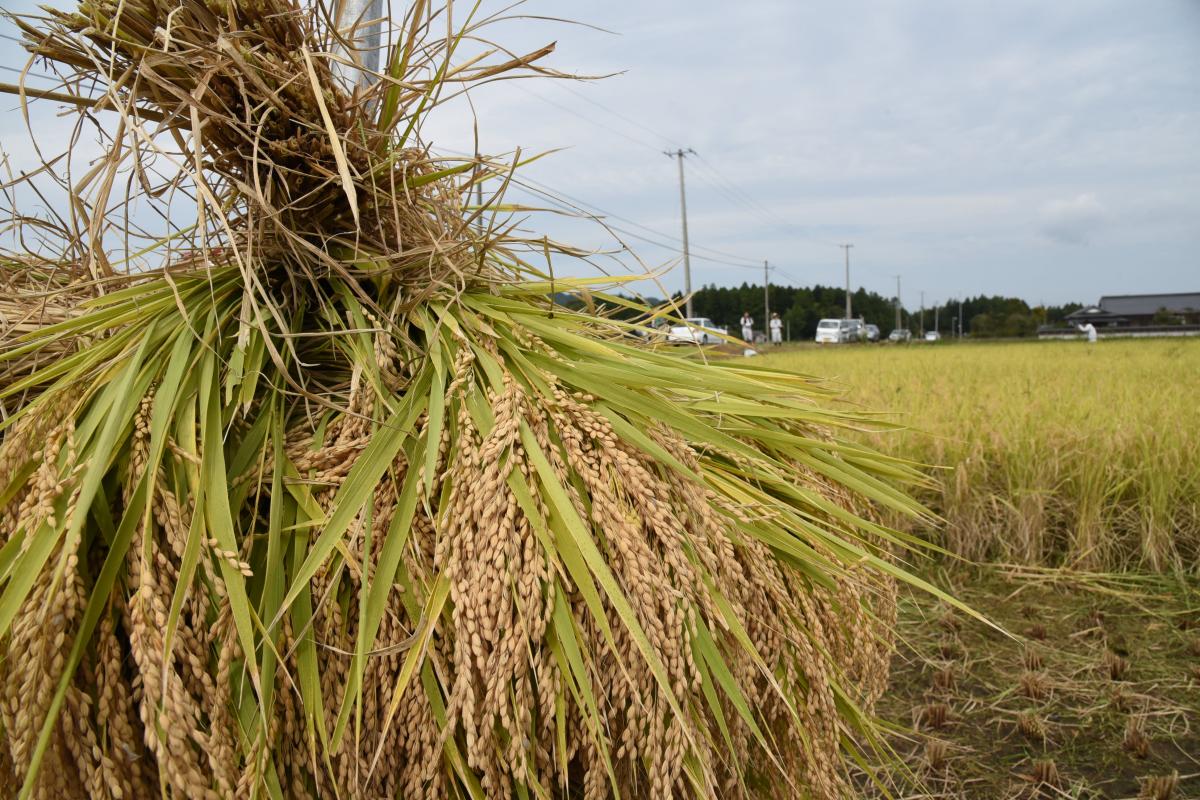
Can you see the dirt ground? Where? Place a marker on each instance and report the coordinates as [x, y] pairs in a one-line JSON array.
[[1095, 694]]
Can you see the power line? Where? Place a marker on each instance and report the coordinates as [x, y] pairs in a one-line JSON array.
[[788, 275], [583, 205], [656, 237], [669, 244], [587, 119], [34, 74], [753, 204], [734, 192], [669, 140]]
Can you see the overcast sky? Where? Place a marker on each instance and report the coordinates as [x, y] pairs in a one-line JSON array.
[[1046, 150]]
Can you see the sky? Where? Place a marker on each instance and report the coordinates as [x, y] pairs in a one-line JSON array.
[[1045, 150]]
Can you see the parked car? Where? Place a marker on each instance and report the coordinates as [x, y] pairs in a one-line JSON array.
[[700, 330], [872, 332], [932, 336], [900, 335], [839, 331]]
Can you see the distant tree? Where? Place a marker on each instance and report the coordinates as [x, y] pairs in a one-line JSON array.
[[982, 326]]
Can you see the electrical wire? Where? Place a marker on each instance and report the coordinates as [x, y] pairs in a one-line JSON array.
[[587, 119], [586, 206], [34, 74], [608, 109], [673, 245], [722, 184], [754, 205]]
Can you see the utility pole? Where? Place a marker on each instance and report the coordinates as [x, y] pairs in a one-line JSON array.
[[766, 302], [960, 318], [936, 309], [922, 312], [687, 263], [897, 302], [847, 247]]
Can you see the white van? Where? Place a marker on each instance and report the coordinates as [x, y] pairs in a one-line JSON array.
[[838, 331]]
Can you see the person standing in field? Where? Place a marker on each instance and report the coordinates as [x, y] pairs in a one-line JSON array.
[[747, 327], [776, 329], [1090, 330]]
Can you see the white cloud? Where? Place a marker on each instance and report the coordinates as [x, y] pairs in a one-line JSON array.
[[1073, 221]]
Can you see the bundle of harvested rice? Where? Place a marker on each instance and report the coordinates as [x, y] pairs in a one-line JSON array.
[[338, 502]]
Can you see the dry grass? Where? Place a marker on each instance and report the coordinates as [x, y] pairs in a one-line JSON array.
[[1135, 740], [1043, 774], [932, 717], [1034, 685], [1031, 725], [1159, 787], [1115, 666]]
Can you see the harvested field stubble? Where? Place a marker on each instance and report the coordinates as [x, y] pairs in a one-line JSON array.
[[334, 500], [1090, 738], [1054, 452]]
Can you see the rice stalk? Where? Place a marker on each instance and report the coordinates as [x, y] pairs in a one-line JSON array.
[[336, 501]]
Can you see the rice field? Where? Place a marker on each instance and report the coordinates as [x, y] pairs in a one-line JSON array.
[[1052, 453], [1071, 474]]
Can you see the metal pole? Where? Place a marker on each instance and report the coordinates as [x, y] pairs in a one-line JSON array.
[[960, 318], [364, 39], [847, 247], [766, 302], [687, 263], [897, 302], [922, 326]]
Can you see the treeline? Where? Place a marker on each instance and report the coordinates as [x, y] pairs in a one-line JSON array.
[[800, 308], [803, 307]]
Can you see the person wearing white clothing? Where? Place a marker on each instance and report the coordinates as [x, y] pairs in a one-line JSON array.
[[1090, 330], [776, 329], [747, 327]]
